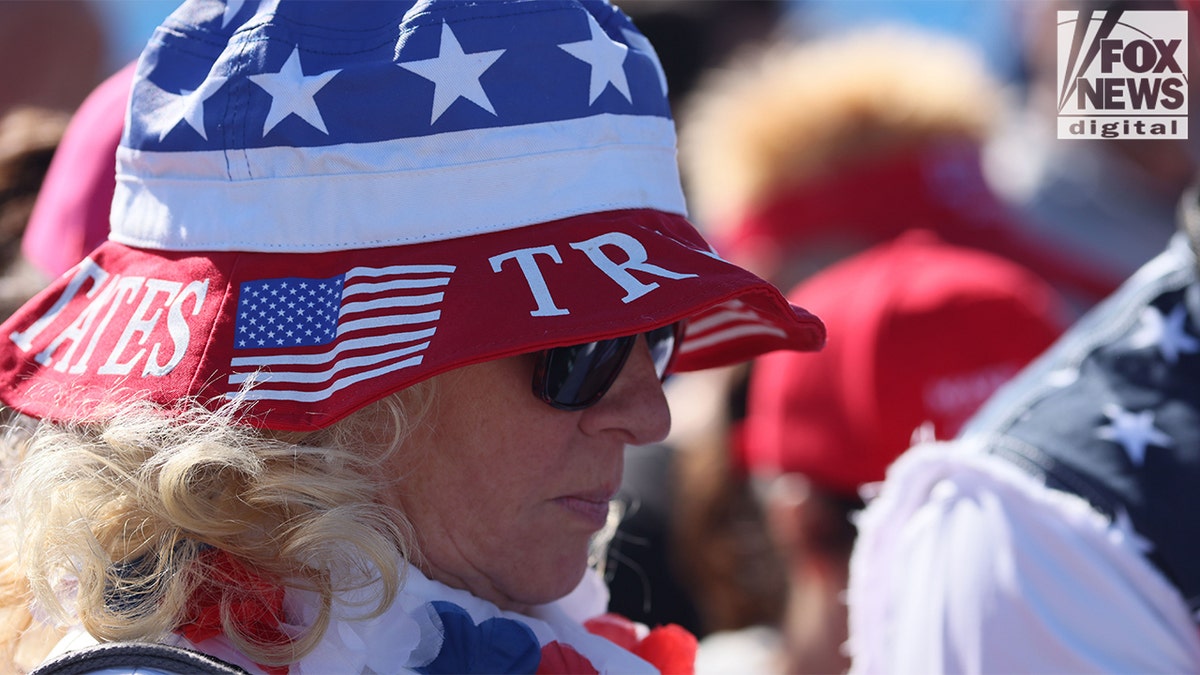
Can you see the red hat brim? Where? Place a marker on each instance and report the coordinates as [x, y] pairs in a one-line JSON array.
[[173, 326]]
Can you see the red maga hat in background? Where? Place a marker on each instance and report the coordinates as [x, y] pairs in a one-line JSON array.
[[920, 332]]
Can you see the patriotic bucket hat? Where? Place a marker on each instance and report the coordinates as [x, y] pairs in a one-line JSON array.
[[322, 203]]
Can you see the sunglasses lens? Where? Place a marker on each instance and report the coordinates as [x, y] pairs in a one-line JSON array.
[[575, 377], [663, 342]]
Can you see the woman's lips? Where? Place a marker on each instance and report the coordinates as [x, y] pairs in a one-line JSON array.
[[591, 506]]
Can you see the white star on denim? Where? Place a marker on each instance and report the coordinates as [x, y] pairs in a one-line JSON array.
[[641, 43], [607, 59], [186, 106], [1169, 335], [292, 93], [455, 74], [1122, 531], [1133, 432]]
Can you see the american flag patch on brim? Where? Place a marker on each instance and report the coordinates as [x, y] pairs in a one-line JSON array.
[[323, 331]]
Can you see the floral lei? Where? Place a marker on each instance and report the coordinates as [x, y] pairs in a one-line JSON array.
[[457, 643]]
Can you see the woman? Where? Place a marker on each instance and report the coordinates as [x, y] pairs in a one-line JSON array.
[[285, 411]]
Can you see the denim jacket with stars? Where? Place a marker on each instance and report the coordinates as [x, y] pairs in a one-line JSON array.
[[1111, 413]]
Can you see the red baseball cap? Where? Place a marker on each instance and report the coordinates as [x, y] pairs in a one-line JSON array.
[[320, 203], [920, 331]]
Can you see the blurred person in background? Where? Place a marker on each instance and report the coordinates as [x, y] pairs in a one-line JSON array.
[[70, 216], [1058, 533], [811, 151], [53, 57], [29, 138], [920, 334], [51, 53], [1109, 203], [796, 157]]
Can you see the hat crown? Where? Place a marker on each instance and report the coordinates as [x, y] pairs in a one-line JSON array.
[[365, 69], [419, 100]]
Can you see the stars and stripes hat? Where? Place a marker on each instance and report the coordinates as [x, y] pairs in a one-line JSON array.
[[321, 203]]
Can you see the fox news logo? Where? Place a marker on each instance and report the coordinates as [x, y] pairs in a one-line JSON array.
[[1122, 74]]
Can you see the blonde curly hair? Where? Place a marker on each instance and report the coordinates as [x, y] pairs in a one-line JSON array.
[[122, 510]]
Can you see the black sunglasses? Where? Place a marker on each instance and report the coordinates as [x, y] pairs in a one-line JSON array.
[[575, 377]]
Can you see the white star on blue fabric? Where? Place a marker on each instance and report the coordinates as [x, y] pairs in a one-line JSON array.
[[1169, 335], [641, 43], [292, 93], [1122, 531], [232, 7], [1133, 431], [455, 74], [607, 59], [186, 106]]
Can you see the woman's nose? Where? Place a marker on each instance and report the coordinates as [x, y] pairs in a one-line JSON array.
[[635, 404]]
